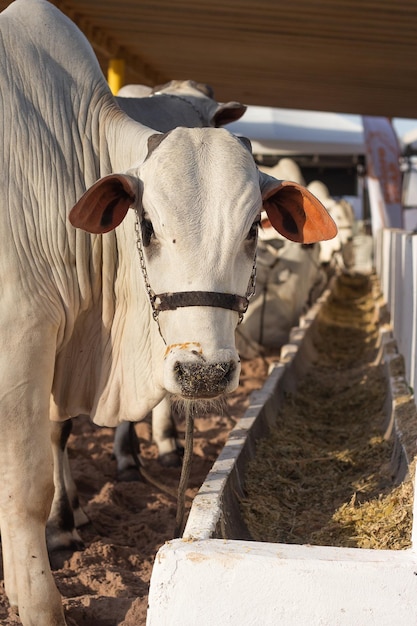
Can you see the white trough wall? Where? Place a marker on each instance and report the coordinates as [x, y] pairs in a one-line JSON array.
[[396, 265], [209, 580]]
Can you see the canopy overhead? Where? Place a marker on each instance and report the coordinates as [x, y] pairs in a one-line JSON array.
[[349, 56], [292, 132]]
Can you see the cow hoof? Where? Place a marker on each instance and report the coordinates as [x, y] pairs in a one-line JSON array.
[[171, 459], [58, 558], [129, 475], [61, 547], [63, 541], [80, 517]]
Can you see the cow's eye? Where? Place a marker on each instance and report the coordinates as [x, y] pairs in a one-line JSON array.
[[147, 232], [253, 232]]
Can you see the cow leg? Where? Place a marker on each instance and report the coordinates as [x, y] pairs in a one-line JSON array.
[[126, 445], [26, 469], [80, 517], [165, 435], [60, 529]]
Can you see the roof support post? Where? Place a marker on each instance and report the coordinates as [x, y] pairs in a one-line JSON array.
[[116, 74]]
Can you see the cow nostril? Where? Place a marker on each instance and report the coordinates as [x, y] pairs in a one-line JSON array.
[[202, 380]]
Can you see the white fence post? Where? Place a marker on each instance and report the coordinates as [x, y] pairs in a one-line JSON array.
[[396, 266]]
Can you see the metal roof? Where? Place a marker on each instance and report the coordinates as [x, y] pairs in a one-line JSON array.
[[353, 56]]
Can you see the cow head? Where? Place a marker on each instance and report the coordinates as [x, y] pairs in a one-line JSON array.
[[198, 197], [201, 97]]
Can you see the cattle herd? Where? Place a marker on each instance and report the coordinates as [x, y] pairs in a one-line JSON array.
[[143, 253]]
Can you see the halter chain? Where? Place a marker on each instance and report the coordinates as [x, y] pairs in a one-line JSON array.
[[171, 301]]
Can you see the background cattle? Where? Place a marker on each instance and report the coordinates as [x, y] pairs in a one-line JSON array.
[[285, 169], [289, 279], [177, 103], [338, 252], [106, 310]]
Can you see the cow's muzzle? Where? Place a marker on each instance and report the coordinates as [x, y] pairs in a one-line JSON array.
[[198, 379]]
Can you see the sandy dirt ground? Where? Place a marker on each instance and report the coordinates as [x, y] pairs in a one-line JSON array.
[[107, 583]]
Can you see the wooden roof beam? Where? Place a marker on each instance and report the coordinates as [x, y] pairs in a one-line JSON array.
[[109, 48]]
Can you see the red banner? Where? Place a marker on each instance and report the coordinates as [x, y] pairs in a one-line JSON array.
[[383, 171]]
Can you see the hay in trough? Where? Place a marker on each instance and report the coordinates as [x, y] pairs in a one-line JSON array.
[[323, 475]]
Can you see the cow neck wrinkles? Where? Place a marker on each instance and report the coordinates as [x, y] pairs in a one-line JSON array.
[[127, 140]]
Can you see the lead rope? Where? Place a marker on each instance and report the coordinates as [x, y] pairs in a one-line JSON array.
[[185, 471], [189, 421]]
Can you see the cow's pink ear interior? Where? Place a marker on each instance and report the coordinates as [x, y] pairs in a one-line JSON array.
[[298, 215], [104, 206]]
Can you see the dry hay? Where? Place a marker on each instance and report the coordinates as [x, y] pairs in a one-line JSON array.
[[323, 475]]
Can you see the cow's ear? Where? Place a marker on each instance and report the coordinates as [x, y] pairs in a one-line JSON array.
[[294, 212], [154, 141], [227, 113], [105, 204]]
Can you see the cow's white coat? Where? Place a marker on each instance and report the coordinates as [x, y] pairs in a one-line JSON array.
[[339, 250], [289, 279], [177, 103], [78, 333]]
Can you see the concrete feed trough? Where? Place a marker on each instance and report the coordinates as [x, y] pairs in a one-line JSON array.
[[216, 575]]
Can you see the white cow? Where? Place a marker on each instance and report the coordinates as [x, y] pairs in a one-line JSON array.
[[106, 310], [134, 91], [285, 169], [337, 252], [184, 103], [289, 279], [177, 103]]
